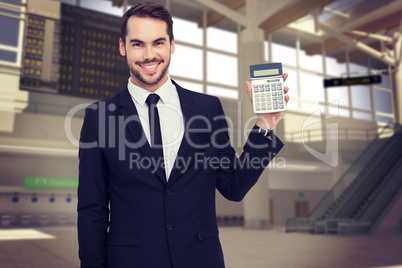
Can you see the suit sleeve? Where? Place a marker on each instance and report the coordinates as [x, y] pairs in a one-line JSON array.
[[93, 197], [237, 178]]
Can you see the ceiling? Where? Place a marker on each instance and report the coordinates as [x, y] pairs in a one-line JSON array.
[[286, 19]]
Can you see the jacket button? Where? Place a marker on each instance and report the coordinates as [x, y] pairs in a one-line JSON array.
[[169, 227], [168, 192]]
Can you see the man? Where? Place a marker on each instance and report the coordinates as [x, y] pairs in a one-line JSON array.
[[142, 204]]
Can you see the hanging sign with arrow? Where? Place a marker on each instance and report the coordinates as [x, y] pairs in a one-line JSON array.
[[351, 81]]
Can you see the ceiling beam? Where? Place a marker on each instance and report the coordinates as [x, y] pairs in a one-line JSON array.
[[355, 55], [388, 17], [288, 15], [359, 45], [330, 44], [224, 10], [213, 17], [118, 3]]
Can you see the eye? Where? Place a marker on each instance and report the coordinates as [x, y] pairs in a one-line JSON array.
[[137, 44], [159, 43]]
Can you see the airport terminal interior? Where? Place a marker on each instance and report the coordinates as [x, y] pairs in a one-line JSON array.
[[332, 197]]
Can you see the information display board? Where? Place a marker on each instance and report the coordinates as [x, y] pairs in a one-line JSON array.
[[32, 71], [77, 55]]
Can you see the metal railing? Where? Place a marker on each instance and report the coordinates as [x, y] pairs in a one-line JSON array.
[[312, 135]]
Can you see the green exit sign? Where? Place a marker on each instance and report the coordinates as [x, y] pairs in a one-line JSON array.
[[41, 182]]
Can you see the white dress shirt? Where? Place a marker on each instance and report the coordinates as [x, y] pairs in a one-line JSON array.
[[170, 116]]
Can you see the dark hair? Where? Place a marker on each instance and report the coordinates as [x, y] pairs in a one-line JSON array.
[[147, 10]]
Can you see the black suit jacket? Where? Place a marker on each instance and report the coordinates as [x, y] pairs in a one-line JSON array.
[[154, 223]]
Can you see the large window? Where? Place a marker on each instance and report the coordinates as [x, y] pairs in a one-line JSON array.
[[207, 65], [310, 62], [221, 40], [284, 54], [187, 62], [11, 31], [306, 75]]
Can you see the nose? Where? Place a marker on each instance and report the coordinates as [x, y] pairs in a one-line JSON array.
[[149, 53]]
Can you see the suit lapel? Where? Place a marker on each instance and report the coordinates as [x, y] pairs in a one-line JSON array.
[[187, 107], [133, 126]]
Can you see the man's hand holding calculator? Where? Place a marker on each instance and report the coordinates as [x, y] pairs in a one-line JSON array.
[[268, 94]]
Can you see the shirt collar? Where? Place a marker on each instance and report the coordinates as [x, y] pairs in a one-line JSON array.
[[140, 94]]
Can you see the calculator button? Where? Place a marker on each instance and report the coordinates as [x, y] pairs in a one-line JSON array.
[[257, 109], [279, 84], [280, 102], [261, 85], [273, 93], [280, 98], [273, 88], [266, 85], [281, 106], [274, 98], [255, 89], [269, 108], [280, 93]]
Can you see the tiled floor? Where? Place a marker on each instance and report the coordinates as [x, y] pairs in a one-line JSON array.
[[242, 248]]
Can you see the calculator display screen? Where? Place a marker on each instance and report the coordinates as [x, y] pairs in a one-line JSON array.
[[266, 72]]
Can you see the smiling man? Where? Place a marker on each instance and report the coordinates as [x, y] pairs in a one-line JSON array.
[[152, 157], [147, 58]]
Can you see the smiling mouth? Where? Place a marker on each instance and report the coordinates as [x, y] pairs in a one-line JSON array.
[[150, 68]]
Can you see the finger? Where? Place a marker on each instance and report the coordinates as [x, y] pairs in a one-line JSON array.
[[286, 89], [287, 98], [285, 76], [249, 90]]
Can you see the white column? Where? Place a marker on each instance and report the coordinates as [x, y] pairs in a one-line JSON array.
[[397, 87], [256, 202]]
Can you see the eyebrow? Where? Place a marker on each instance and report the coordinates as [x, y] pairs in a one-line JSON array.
[[139, 41]]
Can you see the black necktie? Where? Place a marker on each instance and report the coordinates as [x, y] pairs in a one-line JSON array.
[[154, 125]]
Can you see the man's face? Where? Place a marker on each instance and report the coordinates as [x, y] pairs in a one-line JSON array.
[[148, 50]]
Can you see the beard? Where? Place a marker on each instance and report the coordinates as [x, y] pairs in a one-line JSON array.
[[153, 79]]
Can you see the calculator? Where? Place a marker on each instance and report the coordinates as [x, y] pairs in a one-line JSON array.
[[267, 88]]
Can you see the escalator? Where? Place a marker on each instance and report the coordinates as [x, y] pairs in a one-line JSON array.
[[362, 193]]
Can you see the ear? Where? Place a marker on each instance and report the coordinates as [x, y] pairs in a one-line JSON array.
[[122, 48], [172, 47]]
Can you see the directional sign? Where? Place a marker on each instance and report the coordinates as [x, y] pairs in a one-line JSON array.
[[43, 182], [351, 81]]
